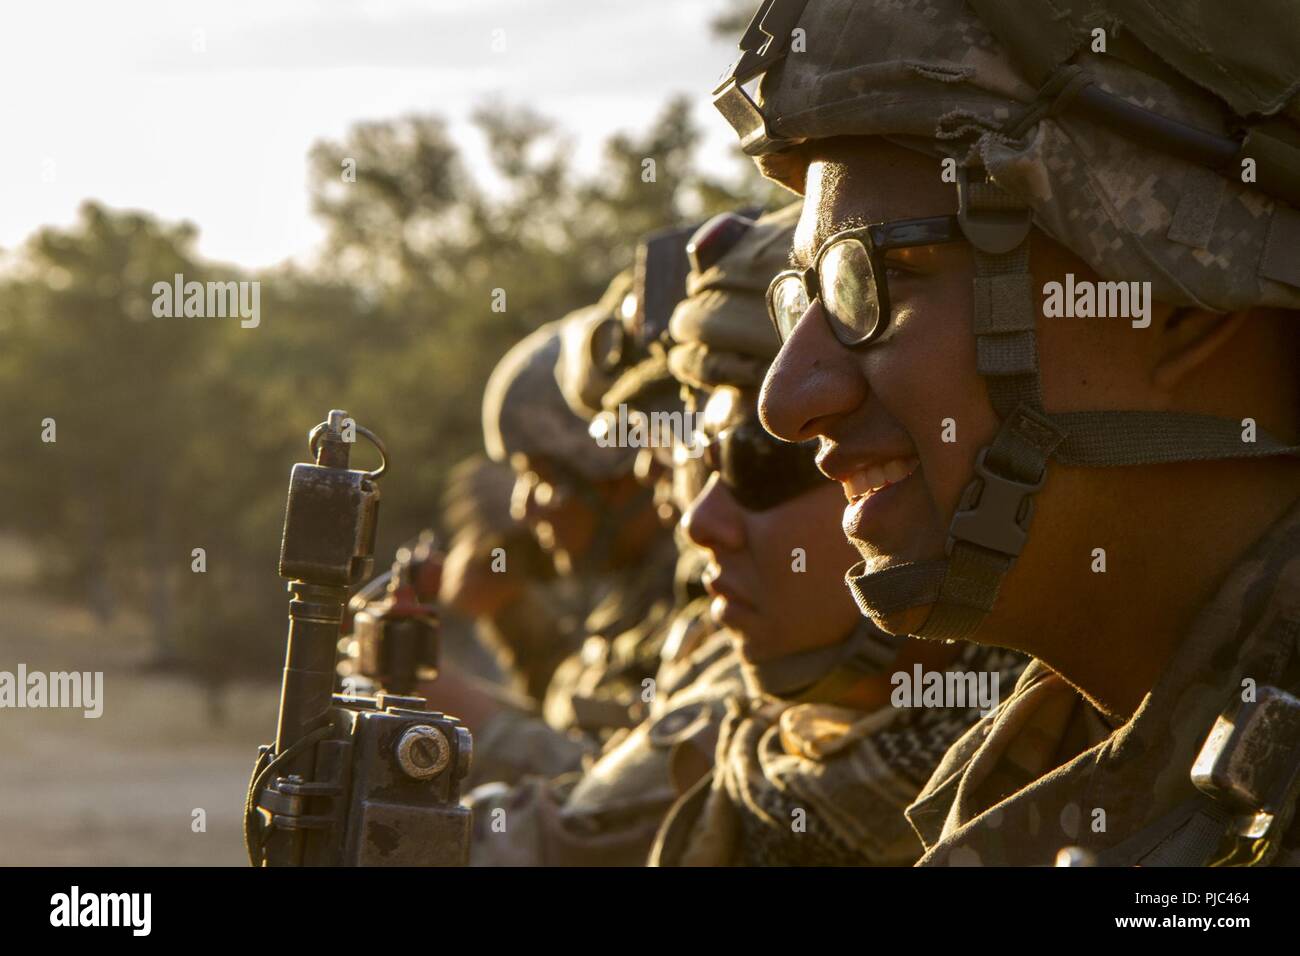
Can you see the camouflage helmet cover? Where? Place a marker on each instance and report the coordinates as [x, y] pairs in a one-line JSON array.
[[722, 330], [931, 75], [524, 412], [592, 348]]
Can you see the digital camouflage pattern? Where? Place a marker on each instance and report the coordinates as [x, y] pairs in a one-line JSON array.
[[1046, 771], [608, 814], [601, 687], [815, 784], [929, 74], [525, 412], [592, 348], [721, 332]]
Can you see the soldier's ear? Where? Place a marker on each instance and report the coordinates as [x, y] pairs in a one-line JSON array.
[[1190, 337]]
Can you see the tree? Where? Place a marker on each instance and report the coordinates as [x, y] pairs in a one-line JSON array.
[[177, 433]]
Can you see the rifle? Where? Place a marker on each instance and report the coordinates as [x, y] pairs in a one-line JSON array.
[[350, 781]]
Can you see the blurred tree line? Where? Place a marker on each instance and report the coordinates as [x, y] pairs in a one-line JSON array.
[[177, 433]]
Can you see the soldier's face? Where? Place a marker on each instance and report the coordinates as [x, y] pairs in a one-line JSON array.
[[879, 411], [544, 500], [902, 419], [776, 577]]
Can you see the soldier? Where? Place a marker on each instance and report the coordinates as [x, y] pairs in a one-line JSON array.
[[789, 663], [646, 389], [494, 586], [608, 814], [1129, 174], [814, 762], [598, 522], [607, 685]]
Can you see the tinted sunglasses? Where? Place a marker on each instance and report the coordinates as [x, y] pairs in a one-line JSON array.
[[760, 471]]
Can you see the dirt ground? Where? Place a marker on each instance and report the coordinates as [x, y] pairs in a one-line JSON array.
[[122, 789]]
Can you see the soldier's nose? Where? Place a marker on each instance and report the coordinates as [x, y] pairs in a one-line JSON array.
[[813, 380], [712, 520]]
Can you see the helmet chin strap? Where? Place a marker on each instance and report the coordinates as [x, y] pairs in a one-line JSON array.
[[989, 529]]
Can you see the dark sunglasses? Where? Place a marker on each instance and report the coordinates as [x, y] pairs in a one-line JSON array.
[[849, 275], [759, 470]]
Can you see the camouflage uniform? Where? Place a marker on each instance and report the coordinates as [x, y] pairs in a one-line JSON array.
[[645, 731], [526, 410], [598, 689], [540, 402], [608, 814], [798, 779], [815, 784], [1079, 142], [526, 639], [1047, 771]]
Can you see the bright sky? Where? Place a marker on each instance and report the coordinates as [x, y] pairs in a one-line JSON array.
[[205, 109]]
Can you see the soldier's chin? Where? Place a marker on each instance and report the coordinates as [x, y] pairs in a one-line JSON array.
[[904, 623]]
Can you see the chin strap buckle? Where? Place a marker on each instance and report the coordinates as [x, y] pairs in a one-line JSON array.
[[995, 511]]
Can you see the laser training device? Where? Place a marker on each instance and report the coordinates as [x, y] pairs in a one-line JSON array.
[[351, 781]]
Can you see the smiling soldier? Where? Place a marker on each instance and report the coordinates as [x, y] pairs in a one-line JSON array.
[[790, 691], [1117, 500], [814, 762]]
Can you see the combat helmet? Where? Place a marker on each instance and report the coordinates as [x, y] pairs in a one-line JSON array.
[[525, 412], [1098, 123]]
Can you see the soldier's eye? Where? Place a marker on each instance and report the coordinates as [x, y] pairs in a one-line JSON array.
[[897, 266]]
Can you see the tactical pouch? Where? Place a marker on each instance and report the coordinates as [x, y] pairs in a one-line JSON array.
[[1250, 765]]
